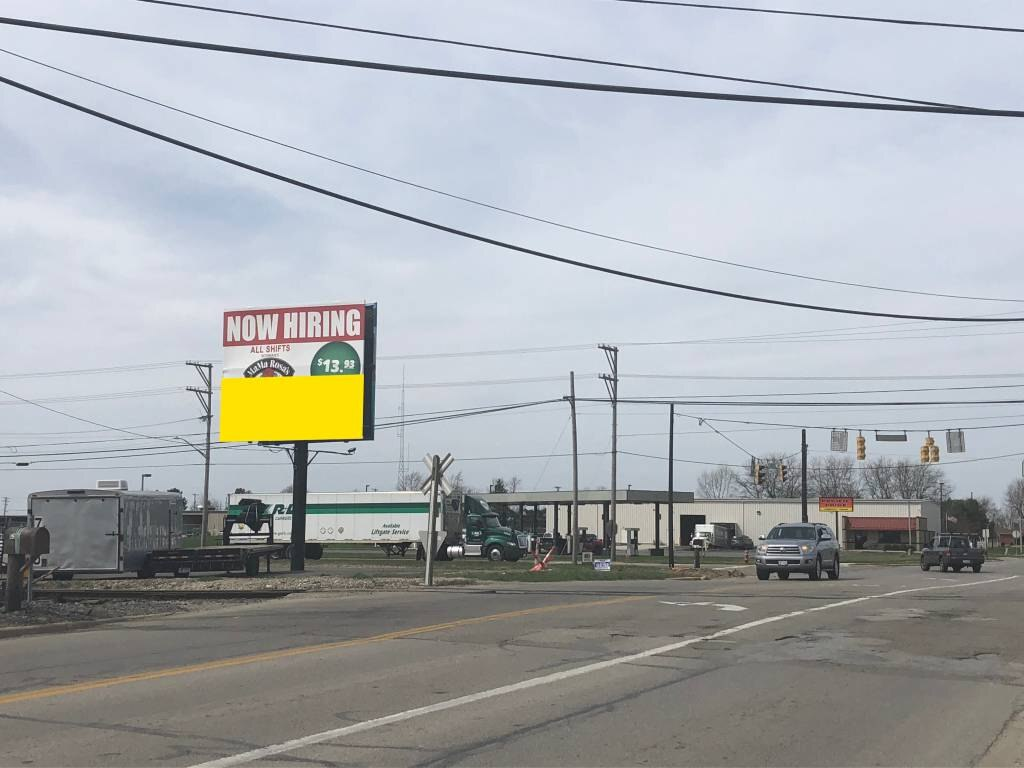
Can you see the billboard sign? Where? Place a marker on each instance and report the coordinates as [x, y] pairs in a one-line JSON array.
[[835, 504], [298, 373]]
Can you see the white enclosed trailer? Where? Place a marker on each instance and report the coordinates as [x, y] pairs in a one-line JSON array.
[[105, 531]]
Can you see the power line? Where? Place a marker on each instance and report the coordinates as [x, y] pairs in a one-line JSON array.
[[812, 404], [56, 372], [837, 16], [539, 54], [481, 238], [575, 85], [105, 396], [498, 208], [846, 392], [896, 377], [94, 431]]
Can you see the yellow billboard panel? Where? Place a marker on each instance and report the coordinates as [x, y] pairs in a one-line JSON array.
[[298, 374]]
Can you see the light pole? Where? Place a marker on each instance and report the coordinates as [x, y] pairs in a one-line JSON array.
[[142, 485], [942, 517]]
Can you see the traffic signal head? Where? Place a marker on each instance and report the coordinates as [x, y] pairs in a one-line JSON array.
[[862, 448], [782, 472], [758, 474], [934, 454], [925, 454]]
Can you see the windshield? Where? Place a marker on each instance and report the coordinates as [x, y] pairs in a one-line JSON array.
[[792, 532], [490, 521]]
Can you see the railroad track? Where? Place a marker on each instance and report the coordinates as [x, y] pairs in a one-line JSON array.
[[159, 594]]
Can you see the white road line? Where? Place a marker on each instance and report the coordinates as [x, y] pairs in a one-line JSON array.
[[535, 682], [719, 606]]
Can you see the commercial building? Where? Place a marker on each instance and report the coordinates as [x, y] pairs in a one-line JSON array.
[[872, 524]]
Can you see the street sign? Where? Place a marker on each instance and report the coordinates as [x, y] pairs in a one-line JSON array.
[[835, 504], [298, 374], [955, 441], [602, 565], [840, 440]]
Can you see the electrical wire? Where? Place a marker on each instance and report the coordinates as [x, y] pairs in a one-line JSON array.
[[705, 422], [480, 238], [525, 52], [94, 431], [843, 392], [575, 85], [813, 404], [106, 396], [88, 371], [836, 16], [498, 208]]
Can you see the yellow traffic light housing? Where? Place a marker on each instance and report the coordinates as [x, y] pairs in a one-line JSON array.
[[862, 449]]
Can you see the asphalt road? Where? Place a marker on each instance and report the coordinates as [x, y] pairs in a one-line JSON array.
[[888, 666]]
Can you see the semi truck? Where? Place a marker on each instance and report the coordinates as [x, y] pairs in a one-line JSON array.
[[394, 521], [711, 536]]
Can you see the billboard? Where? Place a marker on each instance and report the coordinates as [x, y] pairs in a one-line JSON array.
[[834, 504], [298, 373]]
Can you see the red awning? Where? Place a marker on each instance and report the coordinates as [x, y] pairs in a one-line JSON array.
[[878, 523]]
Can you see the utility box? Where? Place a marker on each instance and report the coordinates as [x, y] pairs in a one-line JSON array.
[[632, 542], [105, 531], [30, 542]]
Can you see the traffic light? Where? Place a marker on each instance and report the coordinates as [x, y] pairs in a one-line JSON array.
[[925, 454], [782, 472], [758, 474], [862, 448], [934, 454]]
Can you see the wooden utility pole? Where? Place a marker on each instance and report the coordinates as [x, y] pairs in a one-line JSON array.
[[671, 484], [300, 477], [575, 473], [433, 486], [205, 395], [611, 381], [803, 475]]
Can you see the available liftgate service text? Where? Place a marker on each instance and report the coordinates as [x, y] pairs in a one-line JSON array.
[[299, 373]]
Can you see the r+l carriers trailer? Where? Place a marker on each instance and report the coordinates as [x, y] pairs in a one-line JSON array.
[[394, 521]]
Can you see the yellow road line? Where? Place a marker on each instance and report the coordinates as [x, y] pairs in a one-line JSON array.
[[237, 661]]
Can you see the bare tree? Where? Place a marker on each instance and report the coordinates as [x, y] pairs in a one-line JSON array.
[[773, 486], [888, 479], [288, 488], [411, 481], [717, 483], [834, 475], [1013, 504], [513, 483]]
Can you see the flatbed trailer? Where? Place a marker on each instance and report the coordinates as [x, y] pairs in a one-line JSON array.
[[232, 557]]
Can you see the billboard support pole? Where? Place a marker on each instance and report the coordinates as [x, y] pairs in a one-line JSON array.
[[300, 473], [803, 475], [576, 473], [434, 481], [205, 395]]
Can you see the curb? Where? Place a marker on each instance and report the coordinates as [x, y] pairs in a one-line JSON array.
[[69, 626]]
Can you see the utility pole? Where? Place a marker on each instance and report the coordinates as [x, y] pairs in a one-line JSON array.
[[205, 395], [611, 382], [803, 475], [433, 486], [300, 475], [671, 487], [575, 473], [942, 517]]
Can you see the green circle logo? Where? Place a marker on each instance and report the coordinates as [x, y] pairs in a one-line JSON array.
[[335, 359]]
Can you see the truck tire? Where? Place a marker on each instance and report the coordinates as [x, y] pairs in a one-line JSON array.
[[976, 567], [957, 568], [763, 574], [315, 551], [815, 573], [495, 553], [925, 566], [833, 572]]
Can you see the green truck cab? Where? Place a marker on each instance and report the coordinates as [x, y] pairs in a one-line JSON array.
[[475, 530]]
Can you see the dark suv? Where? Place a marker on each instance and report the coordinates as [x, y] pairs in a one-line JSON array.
[[802, 547], [952, 551]]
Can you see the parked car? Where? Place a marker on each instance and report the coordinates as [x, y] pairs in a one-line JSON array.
[[590, 543], [801, 547], [741, 542], [952, 551]]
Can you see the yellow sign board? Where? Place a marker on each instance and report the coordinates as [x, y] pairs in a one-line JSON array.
[[834, 504], [298, 374]]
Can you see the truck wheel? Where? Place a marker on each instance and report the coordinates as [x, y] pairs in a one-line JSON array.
[[252, 567], [957, 568], [495, 553], [314, 551], [976, 567], [763, 574], [833, 572], [815, 573], [925, 566]]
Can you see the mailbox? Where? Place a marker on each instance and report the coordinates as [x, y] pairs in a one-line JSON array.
[[30, 542]]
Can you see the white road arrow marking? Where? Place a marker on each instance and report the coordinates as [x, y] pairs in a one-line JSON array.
[[719, 606]]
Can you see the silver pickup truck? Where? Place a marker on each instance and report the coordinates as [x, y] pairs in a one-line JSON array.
[[797, 547]]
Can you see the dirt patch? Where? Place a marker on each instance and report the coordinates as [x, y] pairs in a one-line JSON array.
[[706, 574], [59, 611], [304, 582]]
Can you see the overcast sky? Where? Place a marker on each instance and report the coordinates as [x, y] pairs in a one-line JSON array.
[[117, 250]]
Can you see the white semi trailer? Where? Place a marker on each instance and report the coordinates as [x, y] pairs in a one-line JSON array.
[[394, 521]]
